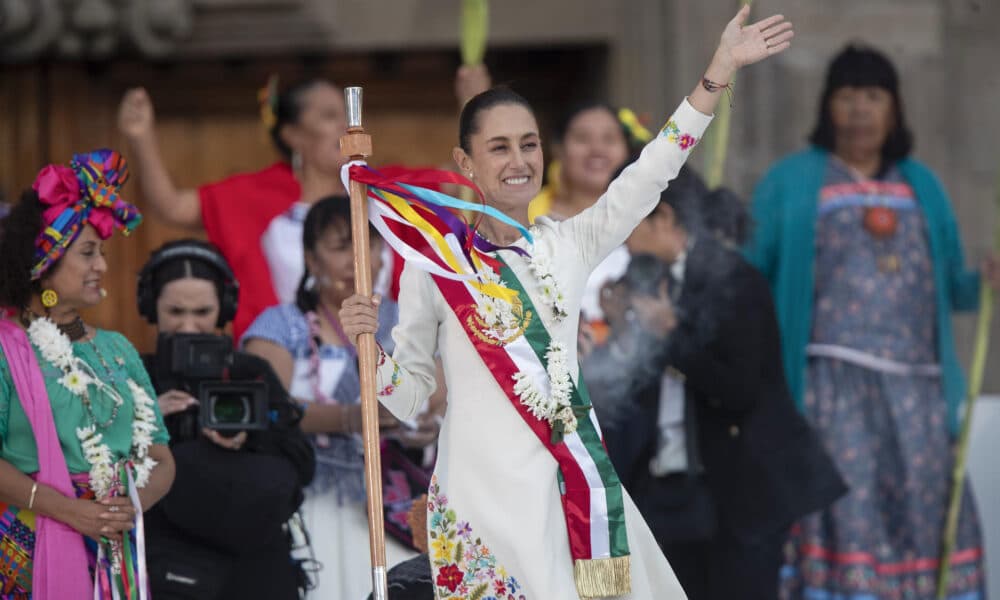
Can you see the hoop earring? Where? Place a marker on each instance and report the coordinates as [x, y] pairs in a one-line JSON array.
[[49, 298], [296, 161]]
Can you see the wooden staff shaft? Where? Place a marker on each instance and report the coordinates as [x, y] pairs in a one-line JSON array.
[[357, 145]]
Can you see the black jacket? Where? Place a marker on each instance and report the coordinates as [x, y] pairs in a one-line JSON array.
[[223, 519], [750, 451]]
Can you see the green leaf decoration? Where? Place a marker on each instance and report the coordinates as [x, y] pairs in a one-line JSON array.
[[475, 29], [716, 142], [980, 352], [458, 551], [479, 591]]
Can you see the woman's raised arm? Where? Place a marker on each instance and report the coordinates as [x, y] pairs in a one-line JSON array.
[[636, 192], [136, 121]]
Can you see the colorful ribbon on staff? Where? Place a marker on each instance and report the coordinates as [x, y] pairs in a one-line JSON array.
[[428, 228]]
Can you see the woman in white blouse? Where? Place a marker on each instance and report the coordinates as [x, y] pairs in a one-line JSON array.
[[507, 516]]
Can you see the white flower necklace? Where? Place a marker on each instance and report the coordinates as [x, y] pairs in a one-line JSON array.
[[556, 408], [57, 349], [503, 318]]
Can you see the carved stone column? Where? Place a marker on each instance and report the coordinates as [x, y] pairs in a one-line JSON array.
[[91, 29]]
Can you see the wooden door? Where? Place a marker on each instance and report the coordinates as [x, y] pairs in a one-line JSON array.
[[208, 126]]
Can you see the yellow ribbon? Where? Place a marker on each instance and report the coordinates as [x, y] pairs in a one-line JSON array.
[[444, 251]]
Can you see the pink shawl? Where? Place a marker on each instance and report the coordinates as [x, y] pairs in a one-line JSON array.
[[60, 561]]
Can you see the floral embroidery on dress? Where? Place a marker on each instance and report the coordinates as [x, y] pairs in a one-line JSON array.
[[465, 568], [673, 134], [395, 378]]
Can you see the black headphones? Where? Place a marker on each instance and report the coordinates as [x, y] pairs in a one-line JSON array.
[[195, 250]]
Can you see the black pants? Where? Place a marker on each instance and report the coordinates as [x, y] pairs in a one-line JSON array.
[[412, 579], [182, 568], [724, 567]]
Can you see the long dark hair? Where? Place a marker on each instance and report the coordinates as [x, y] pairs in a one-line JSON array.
[[18, 230], [860, 66], [332, 211], [186, 267], [468, 122], [287, 108], [726, 216], [685, 195]]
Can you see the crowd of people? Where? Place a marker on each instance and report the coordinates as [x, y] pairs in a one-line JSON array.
[[765, 403]]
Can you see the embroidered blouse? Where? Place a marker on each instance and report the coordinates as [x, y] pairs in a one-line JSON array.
[[111, 357]]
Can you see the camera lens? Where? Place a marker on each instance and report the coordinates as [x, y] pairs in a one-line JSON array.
[[233, 405], [228, 408]]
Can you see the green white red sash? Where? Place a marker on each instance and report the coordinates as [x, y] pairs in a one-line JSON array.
[[419, 224], [592, 494]]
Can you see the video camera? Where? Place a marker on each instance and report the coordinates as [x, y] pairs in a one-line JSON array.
[[206, 367]]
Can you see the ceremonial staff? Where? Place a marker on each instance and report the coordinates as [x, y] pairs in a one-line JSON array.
[[357, 145], [962, 450]]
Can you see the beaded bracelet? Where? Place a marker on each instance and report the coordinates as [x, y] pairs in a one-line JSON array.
[[712, 87]]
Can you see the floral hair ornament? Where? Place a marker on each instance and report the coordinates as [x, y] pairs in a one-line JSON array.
[[85, 192], [267, 98], [634, 126]]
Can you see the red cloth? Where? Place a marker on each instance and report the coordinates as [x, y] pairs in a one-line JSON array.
[[236, 212], [397, 260]]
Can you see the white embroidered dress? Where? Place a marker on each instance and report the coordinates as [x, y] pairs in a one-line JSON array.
[[495, 515]]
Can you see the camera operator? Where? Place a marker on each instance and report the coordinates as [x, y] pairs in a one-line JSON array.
[[220, 532]]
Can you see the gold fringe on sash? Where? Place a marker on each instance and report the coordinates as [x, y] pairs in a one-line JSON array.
[[603, 577]]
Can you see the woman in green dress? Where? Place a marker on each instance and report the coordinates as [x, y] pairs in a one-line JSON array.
[[82, 444]]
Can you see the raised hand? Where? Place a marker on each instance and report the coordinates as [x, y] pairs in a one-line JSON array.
[[743, 45], [471, 80], [135, 115], [740, 45]]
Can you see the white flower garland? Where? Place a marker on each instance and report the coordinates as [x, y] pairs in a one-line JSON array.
[[552, 296], [556, 407], [56, 348], [503, 318]]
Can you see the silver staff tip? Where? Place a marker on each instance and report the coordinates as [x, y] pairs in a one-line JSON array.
[[352, 97]]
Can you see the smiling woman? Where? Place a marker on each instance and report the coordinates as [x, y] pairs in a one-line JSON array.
[[79, 430], [593, 142], [499, 129], [519, 437]]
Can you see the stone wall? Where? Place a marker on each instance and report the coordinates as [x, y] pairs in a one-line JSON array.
[[946, 51]]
